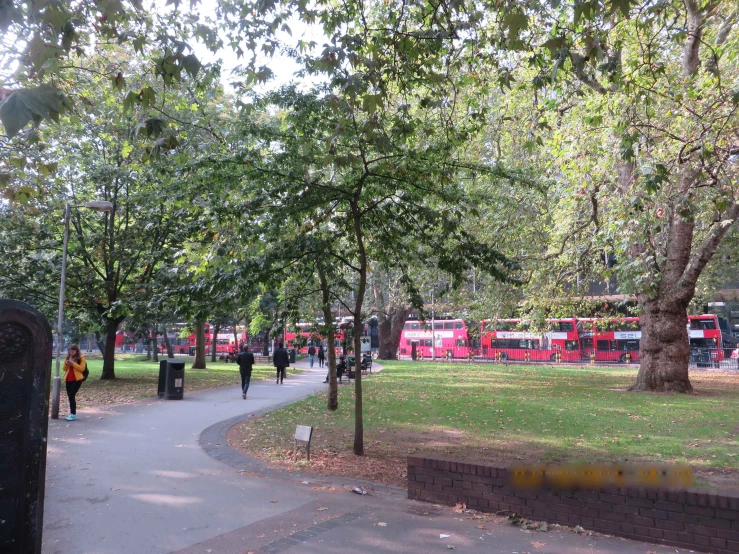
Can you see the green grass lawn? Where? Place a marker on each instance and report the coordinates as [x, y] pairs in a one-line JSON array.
[[513, 415], [137, 378]]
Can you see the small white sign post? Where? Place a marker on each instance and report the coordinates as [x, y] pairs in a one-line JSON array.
[[303, 435]]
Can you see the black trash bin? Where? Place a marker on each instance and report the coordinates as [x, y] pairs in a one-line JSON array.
[[171, 379], [292, 355]]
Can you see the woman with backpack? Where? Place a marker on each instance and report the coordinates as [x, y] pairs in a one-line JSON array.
[[75, 371]]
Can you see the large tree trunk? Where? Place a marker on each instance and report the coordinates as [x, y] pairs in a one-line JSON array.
[[199, 361], [214, 343], [111, 327], [167, 343], [664, 349], [328, 318], [390, 327]]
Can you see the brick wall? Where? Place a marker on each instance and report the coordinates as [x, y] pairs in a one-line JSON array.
[[692, 518]]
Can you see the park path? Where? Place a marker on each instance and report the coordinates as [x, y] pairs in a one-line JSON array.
[[133, 478]]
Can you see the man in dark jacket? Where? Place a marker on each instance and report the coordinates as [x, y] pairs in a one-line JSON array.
[[281, 361], [246, 363], [311, 354]]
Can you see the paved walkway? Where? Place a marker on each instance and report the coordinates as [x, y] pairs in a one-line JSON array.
[[135, 480]]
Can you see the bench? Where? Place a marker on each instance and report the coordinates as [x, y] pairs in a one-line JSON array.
[[367, 365], [262, 358]]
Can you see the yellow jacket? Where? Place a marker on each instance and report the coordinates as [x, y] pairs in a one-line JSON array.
[[77, 368]]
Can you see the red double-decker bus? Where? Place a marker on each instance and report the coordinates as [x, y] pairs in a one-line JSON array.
[[516, 339], [610, 339], [705, 334], [309, 332], [444, 338], [225, 341]]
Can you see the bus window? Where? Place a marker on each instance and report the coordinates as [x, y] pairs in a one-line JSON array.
[[427, 342], [438, 326], [407, 327], [586, 343], [459, 325], [571, 345], [705, 324], [603, 346], [448, 325], [627, 344], [566, 326], [414, 326], [408, 342], [427, 327], [461, 342]]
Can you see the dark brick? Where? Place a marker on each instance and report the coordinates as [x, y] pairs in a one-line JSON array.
[[685, 518], [612, 498], [415, 485], [668, 506], [415, 461], [670, 525], [613, 516], [715, 523], [433, 488], [642, 530], [735, 525], [474, 494], [443, 481], [626, 528], [700, 511], [656, 533], [656, 514], [640, 520], [718, 543], [624, 509], [701, 530], [733, 546], [712, 500], [731, 515], [424, 479], [640, 502], [671, 536], [701, 499], [728, 535], [586, 495], [702, 541], [443, 465], [570, 501], [480, 487]]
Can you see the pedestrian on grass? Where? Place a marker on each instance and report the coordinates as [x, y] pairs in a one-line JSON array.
[[246, 364], [321, 355], [74, 373], [311, 354], [281, 361]]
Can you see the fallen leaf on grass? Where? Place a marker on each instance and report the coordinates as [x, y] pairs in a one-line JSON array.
[[537, 544], [481, 527], [460, 507]]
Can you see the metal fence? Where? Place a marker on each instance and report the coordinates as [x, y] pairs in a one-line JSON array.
[[703, 358]]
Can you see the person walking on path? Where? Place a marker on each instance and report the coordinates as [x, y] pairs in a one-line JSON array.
[[321, 355], [311, 354], [74, 373], [281, 361], [246, 364]]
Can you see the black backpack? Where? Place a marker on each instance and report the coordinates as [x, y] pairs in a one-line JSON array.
[[85, 373]]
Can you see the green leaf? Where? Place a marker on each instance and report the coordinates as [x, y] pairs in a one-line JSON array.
[[191, 64], [29, 104], [515, 22], [624, 6]]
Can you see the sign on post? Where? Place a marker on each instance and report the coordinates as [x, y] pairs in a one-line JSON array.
[[303, 435], [25, 379]]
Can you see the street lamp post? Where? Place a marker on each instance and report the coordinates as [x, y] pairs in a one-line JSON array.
[[106, 207]]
